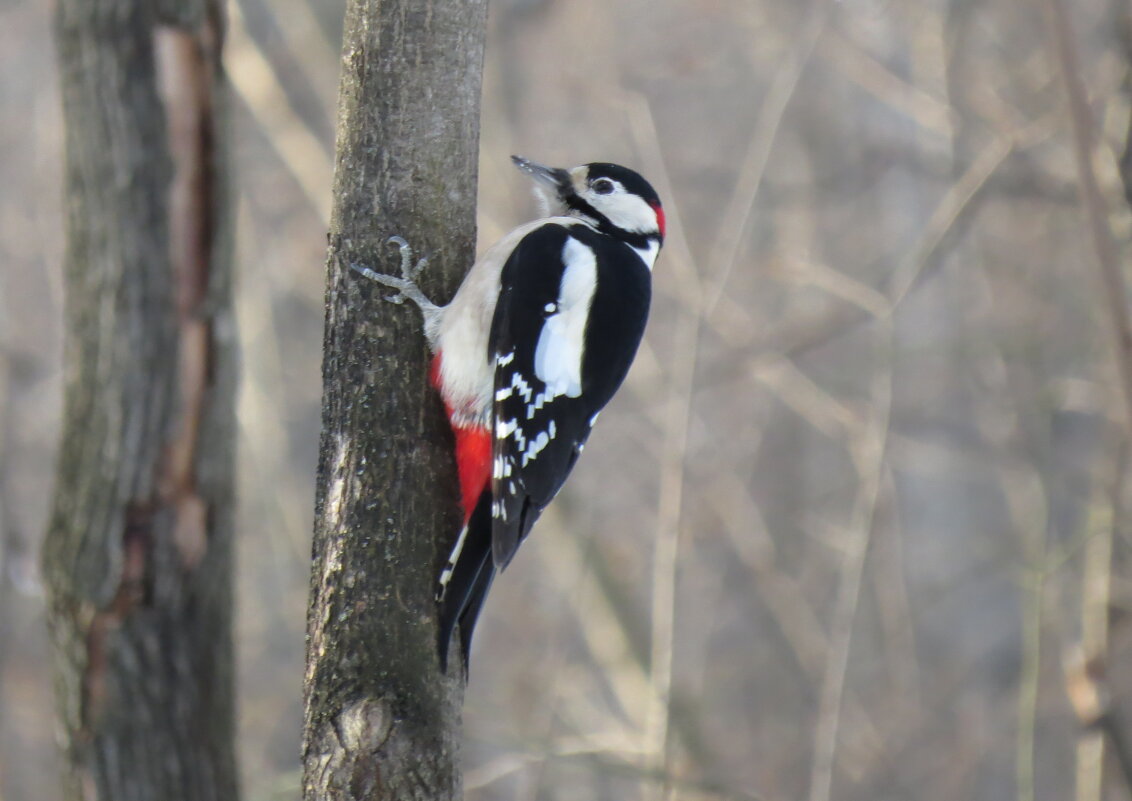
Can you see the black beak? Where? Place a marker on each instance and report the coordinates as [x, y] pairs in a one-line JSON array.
[[554, 177]]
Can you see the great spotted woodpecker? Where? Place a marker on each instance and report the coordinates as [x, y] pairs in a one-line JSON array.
[[535, 342]]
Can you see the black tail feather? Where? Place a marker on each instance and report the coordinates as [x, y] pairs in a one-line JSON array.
[[475, 603], [463, 596]]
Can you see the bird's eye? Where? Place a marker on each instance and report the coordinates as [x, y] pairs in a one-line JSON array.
[[603, 186]]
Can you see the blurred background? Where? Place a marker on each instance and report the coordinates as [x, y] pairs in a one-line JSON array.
[[855, 527]]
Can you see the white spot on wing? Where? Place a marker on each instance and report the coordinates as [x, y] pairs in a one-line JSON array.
[[517, 383], [504, 428], [536, 446], [540, 399], [509, 428], [501, 467]]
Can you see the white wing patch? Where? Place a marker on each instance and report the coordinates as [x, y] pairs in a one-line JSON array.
[[534, 448], [558, 356]]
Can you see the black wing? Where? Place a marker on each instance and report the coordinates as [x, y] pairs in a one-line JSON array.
[[540, 427]]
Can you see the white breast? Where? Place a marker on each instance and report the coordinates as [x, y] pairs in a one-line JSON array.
[[467, 375]]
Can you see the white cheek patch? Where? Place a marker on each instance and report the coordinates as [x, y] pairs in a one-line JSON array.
[[558, 355], [627, 211]]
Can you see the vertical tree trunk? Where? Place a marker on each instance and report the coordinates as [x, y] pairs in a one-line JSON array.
[[138, 556], [381, 721]]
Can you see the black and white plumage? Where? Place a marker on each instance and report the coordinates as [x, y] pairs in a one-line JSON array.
[[534, 344], [547, 397]]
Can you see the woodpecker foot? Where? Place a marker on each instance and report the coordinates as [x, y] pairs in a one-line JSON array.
[[406, 285]]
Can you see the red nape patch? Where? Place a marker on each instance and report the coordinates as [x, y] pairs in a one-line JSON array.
[[659, 217], [473, 461]]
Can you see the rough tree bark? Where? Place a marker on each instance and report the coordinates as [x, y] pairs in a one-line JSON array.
[[381, 721], [137, 559]]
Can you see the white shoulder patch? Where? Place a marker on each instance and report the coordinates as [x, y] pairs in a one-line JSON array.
[[558, 356]]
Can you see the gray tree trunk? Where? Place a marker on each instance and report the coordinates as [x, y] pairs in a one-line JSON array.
[[382, 722], [138, 556]]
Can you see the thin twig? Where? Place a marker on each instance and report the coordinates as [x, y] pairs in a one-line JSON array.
[[1113, 723], [254, 80], [603, 632], [599, 755], [868, 450], [733, 221], [1028, 681], [1096, 585], [1060, 32], [929, 112], [1085, 670], [671, 496], [1061, 36], [954, 202]]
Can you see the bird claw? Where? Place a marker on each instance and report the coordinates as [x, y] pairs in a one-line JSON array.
[[409, 271], [374, 275], [406, 251], [406, 285]]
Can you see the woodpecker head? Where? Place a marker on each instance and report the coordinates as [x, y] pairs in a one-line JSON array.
[[614, 198]]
